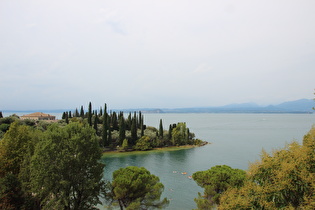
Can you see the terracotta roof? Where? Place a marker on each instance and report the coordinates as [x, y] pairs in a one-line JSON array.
[[37, 114]]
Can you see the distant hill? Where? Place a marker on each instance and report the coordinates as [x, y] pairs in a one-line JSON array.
[[298, 106]]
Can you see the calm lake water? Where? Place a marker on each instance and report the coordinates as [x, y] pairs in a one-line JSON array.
[[236, 140]]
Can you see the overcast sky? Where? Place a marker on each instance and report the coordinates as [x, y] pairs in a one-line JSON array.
[[156, 54]]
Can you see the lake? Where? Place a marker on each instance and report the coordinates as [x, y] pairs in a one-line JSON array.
[[236, 140]]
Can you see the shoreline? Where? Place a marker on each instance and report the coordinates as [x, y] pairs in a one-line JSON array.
[[158, 149]]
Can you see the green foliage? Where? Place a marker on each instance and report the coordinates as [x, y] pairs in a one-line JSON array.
[[125, 144], [143, 143], [15, 148], [90, 114], [161, 129], [11, 196], [135, 188], [4, 127], [215, 181], [180, 134], [64, 170], [133, 131], [281, 180]]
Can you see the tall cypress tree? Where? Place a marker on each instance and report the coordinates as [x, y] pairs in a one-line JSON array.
[[170, 133], [133, 131], [101, 112], [142, 127], [1, 116], [95, 122], [76, 114], [105, 127], [90, 114], [161, 129], [114, 120], [109, 140], [63, 116], [129, 122], [82, 112], [122, 130], [67, 117]]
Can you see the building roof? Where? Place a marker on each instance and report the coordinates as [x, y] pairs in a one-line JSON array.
[[37, 114]]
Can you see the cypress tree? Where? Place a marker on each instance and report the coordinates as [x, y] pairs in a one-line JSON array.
[[129, 122], [122, 130], [140, 119], [95, 123], [105, 127], [142, 127], [82, 112], [67, 117], [170, 132], [109, 132], [63, 116], [115, 121], [90, 114], [76, 114], [161, 129], [136, 119], [1, 116], [70, 114], [101, 111], [133, 131]]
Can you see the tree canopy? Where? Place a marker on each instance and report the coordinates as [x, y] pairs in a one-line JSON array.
[[57, 168], [284, 179], [135, 188], [215, 181]]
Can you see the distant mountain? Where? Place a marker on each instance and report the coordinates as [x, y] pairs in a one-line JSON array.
[[298, 106]]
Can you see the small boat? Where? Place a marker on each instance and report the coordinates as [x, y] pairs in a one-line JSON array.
[[184, 173], [189, 177]]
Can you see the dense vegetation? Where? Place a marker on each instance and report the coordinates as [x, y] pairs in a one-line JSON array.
[[57, 168], [284, 179], [127, 132]]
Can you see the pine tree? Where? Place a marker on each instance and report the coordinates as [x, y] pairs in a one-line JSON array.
[[90, 114]]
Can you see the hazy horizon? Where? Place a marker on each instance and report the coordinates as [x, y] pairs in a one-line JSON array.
[[159, 54]]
